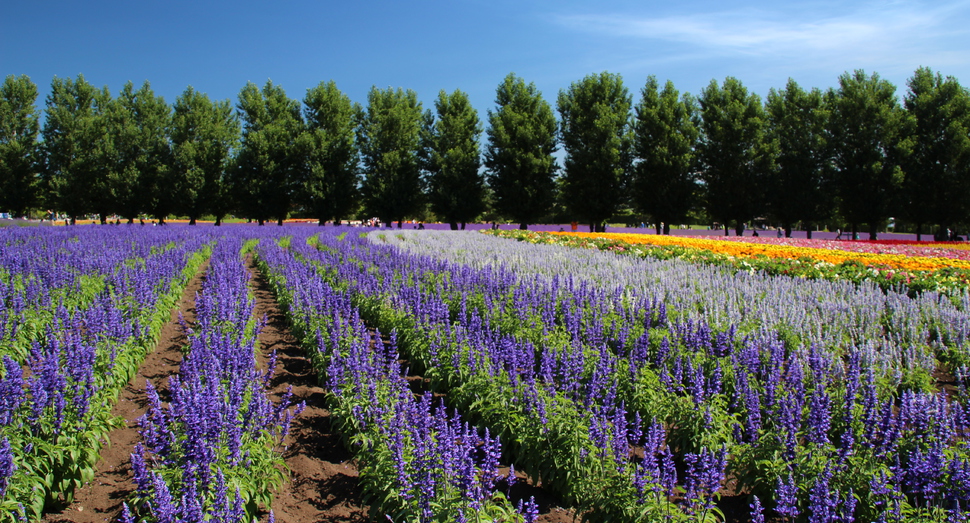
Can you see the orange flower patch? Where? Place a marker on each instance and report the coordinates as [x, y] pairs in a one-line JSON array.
[[750, 250]]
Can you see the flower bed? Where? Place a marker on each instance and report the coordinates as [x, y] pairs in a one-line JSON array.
[[810, 424], [942, 270], [79, 311], [214, 451]]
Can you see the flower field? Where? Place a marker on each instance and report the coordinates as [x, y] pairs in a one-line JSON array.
[[630, 388], [910, 266]]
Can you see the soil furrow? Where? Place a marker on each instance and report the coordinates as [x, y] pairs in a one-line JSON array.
[[102, 498], [323, 484]]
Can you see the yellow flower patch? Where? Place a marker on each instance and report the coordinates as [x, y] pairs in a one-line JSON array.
[[750, 250]]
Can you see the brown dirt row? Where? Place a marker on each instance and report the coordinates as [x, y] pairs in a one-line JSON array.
[[102, 498], [323, 484]]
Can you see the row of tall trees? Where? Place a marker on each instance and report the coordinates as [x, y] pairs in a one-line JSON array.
[[852, 153]]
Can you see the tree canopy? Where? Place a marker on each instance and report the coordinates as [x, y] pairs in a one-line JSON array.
[[141, 178], [519, 154], [594, 129], [390, 141], [937, 170], [868, 129], [76, 147], [456, 188], [666, 130], [269, 161], [733, 152], [20, 158], [332, 172], [853, 156], [204, 135], [797, 187]]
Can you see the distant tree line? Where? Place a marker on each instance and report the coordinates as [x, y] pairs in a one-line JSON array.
[[853, 155]]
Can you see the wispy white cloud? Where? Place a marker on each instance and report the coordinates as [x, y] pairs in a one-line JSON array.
[[881, 30]]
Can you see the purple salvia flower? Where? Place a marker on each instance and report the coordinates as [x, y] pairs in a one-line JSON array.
[[819, 417], [126, 516], [757, 512], [7, 465], [822, 502], [786, 498], [529, 509], [161, 503]]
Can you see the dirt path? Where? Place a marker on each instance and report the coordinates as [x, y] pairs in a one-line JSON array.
[[323, 478], [101, 499]]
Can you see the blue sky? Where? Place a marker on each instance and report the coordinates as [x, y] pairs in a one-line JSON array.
[[472, 44]]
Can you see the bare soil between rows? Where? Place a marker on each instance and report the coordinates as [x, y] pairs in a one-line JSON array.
[[101, 500], [323, 484], [323, 477]]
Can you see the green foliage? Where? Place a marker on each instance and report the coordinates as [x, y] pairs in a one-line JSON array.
[[204, 134], [268, 166], [936, 184], [545, 432], [666, 131], [364, 430], [456, 188], [20, 158], [798, 188], [54, 458], [518, 156], [389, 136], [867, 135], [140, 177], [329, 188], [77, 147], [734, 156], [595, 131]]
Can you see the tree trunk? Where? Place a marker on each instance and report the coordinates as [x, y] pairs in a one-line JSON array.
[[788, 231], [336, 222], [659, 230], [131, 221], [400, 224], [279, 222], [739, 228], [103, 217], [808, 233], [873, 233], [727, 230], [666, 228], [454, 225], [260, 222], [919, 232], [463, 226], [191, 220], [945, 231], [321, 222], [855, 231], [523, 226]]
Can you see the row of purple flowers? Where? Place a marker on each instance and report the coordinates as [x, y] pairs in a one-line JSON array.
[[794, 416], [419, 461], [213, 453], [78, 312]]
